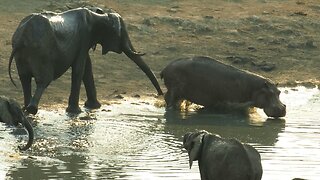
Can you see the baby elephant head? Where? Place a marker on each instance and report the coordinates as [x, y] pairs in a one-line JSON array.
[[193, 142], [11, 114]]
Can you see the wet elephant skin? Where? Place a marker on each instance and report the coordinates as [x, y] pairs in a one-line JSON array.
[[11, 114], [45, 45]]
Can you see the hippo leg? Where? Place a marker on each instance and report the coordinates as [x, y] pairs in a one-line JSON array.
[[171, 100]]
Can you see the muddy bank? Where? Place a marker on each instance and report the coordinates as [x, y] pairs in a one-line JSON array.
[[279, 40]]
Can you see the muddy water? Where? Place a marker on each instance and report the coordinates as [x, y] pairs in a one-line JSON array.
[[136, 140]]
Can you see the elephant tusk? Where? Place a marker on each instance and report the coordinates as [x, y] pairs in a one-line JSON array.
[[138, 53], [128, 47]]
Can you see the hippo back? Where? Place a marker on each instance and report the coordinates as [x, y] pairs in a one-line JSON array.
[[205, 81]]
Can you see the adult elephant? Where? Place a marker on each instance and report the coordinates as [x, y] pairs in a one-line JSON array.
[[45, 45], [220, 158], [11, 114]]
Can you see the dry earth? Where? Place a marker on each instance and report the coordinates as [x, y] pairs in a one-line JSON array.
[[278, 39]]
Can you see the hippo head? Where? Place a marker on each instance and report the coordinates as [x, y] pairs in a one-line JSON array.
[[267, 98]]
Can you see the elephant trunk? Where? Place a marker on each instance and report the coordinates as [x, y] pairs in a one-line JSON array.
[[29, 129], [136, 57]]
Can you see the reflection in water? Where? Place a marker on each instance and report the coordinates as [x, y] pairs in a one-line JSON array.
[[136, 140], [243, 128], [7, 154], [293, 155]]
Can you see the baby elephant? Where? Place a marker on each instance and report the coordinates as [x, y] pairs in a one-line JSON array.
[[208, 82], [11, 114], [222, 159]]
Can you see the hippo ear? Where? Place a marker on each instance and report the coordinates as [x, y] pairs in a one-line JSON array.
[[270, 85]]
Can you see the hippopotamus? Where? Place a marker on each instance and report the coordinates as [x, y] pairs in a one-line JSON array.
[[209, 82]]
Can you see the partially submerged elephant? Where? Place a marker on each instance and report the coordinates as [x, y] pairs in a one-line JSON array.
[[208, 82], [45, 45], [11, 114], [220, 158]]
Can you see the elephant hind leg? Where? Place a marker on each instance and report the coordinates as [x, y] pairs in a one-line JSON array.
[[32, 108], [26, 86], [25, 76], [43, 78]]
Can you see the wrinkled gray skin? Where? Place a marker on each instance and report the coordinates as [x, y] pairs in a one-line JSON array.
[[207, 82], [45, 45], [11, 114], [219, 158]]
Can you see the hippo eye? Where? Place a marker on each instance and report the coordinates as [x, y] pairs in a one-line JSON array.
[[275, 92]]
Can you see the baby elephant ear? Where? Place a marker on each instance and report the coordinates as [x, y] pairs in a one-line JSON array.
[[116, 22], [193, 142], [5, 114], [15, 111]]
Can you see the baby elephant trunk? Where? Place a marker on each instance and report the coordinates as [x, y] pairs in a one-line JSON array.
[[29, 129]]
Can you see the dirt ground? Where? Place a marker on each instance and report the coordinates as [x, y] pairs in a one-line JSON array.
[[278, 39]]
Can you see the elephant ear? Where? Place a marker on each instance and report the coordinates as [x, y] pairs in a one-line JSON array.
[[15, 111], [116, 22], [193, 142], [5, 114], [98, 11], [19, 117], [113, 34]]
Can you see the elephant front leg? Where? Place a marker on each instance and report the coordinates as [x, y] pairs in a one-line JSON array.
[[76, 77], [88, 81]]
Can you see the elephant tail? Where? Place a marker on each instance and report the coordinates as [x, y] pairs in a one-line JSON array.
[[29, 129], [9, 67]]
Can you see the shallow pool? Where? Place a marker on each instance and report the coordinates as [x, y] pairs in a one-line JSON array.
[[134, 139]]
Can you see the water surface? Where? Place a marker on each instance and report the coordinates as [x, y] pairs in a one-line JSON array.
[[134, 139]]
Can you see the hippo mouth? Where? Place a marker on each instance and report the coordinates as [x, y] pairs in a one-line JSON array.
[[275, 112]]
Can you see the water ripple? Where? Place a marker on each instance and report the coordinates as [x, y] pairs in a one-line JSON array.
[[136, 140]]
